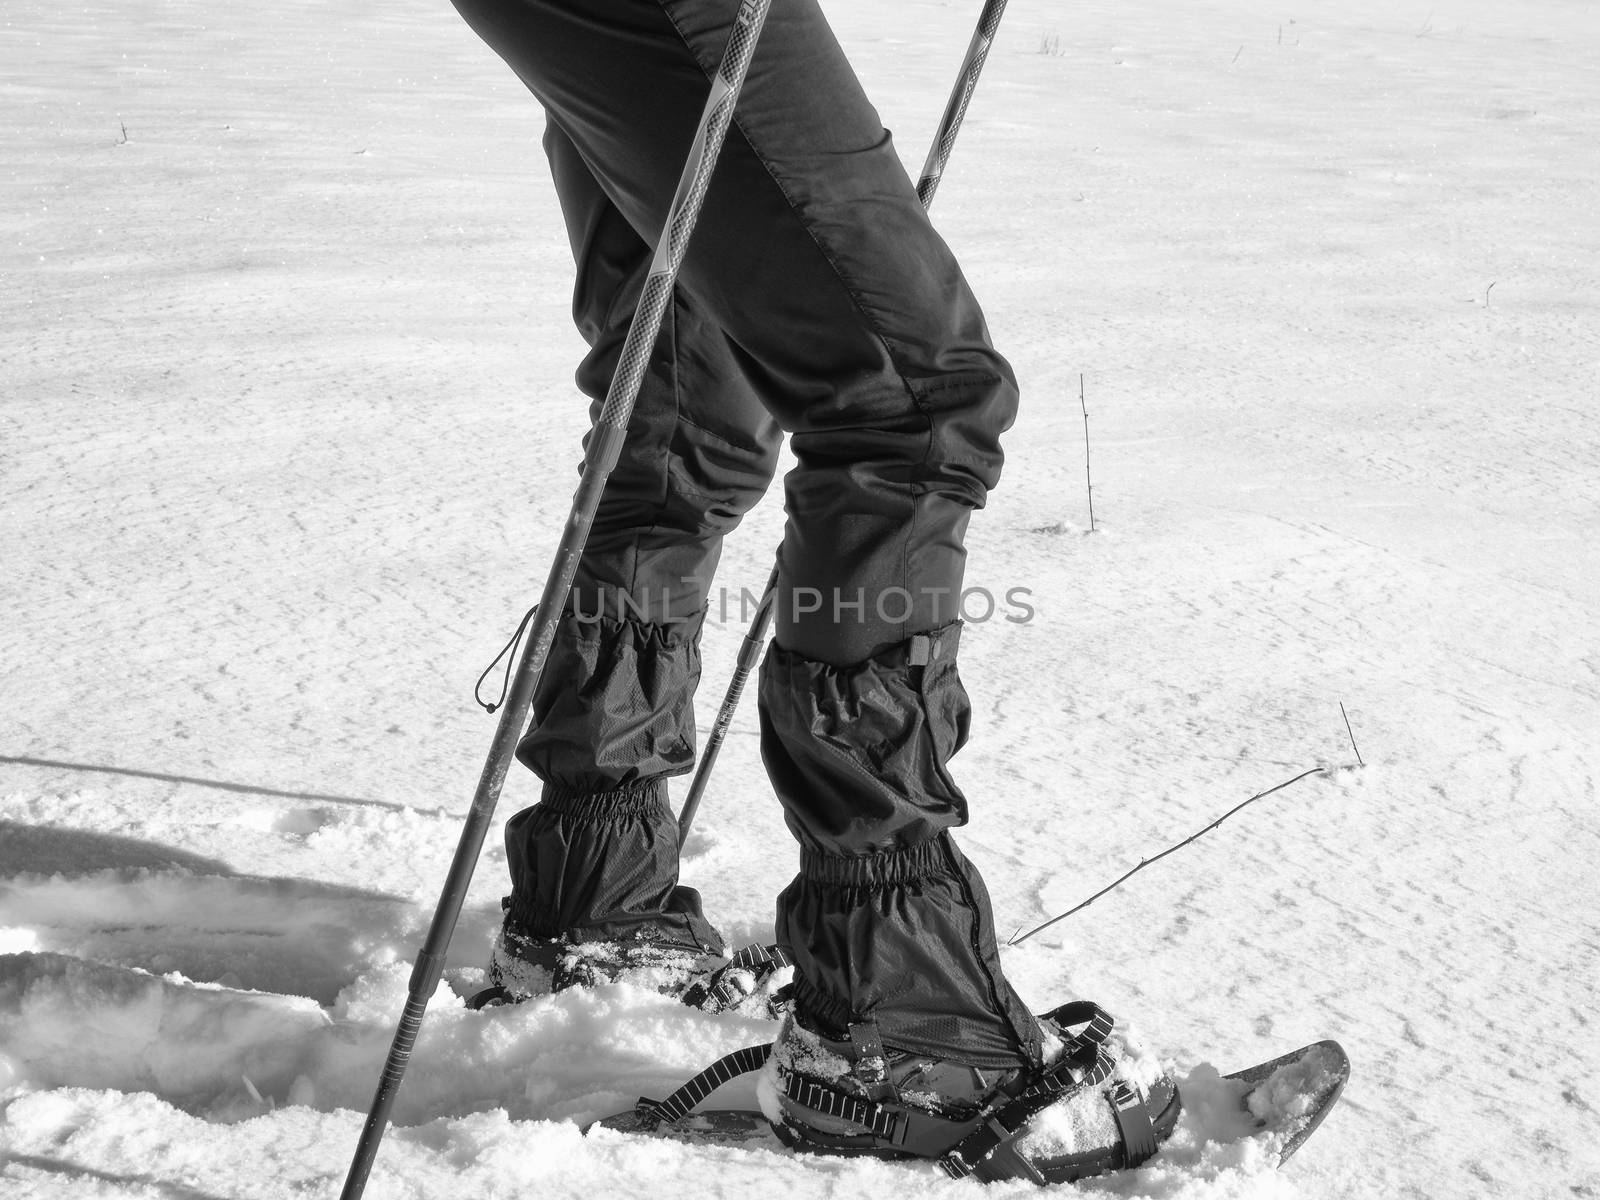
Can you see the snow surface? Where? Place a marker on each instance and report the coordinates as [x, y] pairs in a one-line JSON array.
[[286, 432]]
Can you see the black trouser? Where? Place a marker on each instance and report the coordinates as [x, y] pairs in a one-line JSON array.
[[815, 297]]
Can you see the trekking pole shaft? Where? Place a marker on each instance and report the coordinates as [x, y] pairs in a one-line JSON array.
[[955, 111], [749, 651], [604, 448]]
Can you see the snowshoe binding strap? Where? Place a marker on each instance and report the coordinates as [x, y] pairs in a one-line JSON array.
[[888, 1123], [1097, 1023], [889, 1129], [741, 976], [1084, 1063], [490, 997], [990, 1153], [683, 1101], [1133, 1122], [987, 1151]]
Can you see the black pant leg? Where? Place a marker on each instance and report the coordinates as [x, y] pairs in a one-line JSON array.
[[613, 717]]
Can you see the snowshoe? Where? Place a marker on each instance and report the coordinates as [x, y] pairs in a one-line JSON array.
[[1053, 1131], [854, 1097]]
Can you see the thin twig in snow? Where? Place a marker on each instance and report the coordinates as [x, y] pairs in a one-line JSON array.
[[1145, 862], [1352, 734], [1088, 481]]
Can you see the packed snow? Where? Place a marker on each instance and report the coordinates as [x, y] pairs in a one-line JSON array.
[[287, 435]]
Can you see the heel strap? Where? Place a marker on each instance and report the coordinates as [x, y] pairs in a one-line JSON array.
[[678, 1105]]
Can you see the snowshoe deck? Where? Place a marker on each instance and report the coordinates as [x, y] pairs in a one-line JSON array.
[[1291, 1094]]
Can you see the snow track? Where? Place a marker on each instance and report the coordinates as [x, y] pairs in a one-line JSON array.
[[270, 935]]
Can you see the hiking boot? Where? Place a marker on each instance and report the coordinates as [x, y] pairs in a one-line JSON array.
[[595, 897], [1098, 1104], [521, 967]]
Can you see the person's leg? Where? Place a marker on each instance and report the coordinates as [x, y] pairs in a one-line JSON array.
[[597, 859], [853, 323]]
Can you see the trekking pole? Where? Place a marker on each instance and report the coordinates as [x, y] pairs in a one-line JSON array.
[[605, 445], [955, 111], [749, 651]]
